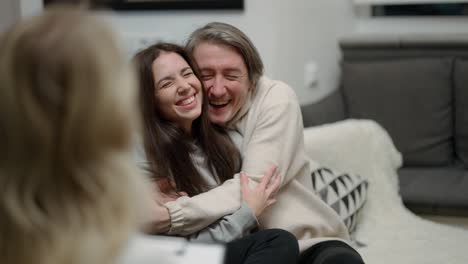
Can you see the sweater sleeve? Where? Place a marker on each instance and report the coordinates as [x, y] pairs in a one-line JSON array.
[[191, 214], [275, 136], [228, 228]]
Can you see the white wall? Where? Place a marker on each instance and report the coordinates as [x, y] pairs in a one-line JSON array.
[[317, 26], [8, 13], [287, 33], [12, 10], [29, 7]]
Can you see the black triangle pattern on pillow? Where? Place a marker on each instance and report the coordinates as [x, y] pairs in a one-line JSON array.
[[345, 193]]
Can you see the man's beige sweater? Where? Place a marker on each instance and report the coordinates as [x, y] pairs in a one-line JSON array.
[[272, 133]]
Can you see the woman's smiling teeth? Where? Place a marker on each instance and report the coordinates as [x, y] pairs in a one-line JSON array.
[[186, 101]]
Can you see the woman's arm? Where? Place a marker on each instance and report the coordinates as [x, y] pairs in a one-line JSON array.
[[228, 228]]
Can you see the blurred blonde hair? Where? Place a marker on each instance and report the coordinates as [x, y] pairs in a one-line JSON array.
[[68, 188]]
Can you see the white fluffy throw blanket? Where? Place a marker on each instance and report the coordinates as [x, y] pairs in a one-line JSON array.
[[391, 233]]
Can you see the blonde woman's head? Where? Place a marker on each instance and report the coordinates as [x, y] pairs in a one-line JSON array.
[[67, 117]]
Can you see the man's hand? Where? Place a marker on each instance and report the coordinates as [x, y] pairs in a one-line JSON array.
[[165, 191], [165, 197], [263, 195], [160, 221]]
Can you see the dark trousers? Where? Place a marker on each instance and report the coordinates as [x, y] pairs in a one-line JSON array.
[[330, 252], [272, 246]]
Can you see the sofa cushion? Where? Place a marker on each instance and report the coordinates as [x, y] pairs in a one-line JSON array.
[[440, 190], [328, 110], [345, 193], [411, 99], [461, 110]]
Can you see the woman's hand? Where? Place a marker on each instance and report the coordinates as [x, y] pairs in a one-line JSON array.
[[263, 195]]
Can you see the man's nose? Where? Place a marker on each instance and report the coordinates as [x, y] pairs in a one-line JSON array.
[[217, 89]]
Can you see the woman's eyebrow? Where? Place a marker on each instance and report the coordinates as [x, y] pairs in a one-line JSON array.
[[167, 78], [185, 69]]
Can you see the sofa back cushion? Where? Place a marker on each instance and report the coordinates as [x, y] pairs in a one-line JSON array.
[[461, 110], [328, 110], [411, 98]]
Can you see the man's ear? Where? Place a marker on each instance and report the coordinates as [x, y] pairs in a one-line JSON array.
[[252, 86]]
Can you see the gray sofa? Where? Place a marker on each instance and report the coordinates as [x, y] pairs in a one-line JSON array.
[[416, 87]]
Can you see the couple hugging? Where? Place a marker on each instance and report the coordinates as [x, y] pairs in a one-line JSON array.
[[224, 147]]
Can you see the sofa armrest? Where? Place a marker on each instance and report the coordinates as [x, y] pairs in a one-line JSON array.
[[328, 110]]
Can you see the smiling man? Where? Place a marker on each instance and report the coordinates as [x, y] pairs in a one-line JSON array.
[[226, 80], [267, 115]]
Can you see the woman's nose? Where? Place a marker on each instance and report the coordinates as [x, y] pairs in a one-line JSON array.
[[183, 86]]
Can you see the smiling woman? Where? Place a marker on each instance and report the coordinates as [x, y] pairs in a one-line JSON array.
[[177, 90], [159, 4], [171, 101]]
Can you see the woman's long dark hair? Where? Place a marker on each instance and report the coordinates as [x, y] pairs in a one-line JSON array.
[[168, 147]]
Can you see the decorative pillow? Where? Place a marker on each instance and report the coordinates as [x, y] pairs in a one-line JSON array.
[[345, 193]]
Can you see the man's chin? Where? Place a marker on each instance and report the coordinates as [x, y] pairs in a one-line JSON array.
[[219, 116], [218, 119]]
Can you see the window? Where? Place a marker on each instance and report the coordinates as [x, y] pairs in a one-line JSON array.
[[420, 10]]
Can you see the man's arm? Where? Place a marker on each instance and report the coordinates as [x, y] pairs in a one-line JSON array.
[[191, 214], [273, 134], [276, 139]]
